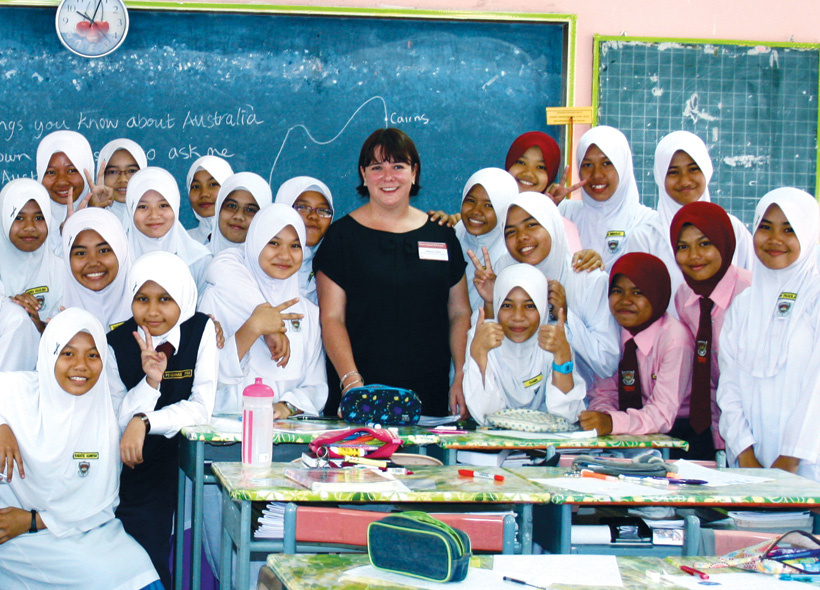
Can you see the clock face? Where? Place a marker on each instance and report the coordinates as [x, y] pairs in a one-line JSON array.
[[92, 28]]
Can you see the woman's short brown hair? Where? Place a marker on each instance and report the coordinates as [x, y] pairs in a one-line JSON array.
[[392, 145]]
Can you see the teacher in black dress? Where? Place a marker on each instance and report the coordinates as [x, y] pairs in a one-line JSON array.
[[392, 291]]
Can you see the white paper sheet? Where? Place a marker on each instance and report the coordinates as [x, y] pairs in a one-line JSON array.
[[543, 570], [715, 477], [601, 487], [477, 579], [745, 581], [542, 435]]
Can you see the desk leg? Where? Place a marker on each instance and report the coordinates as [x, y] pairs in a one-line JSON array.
[[554, 527], [226, 546], [665, 453], [179, 529], [244, 550], [526, 529], [450, 456], [196, 519]]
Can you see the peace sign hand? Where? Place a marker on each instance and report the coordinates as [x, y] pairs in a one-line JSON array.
[[153, 363], [484, 279], [559, 191], [269, 319], [553, 338], [70, 209], [101, 195]]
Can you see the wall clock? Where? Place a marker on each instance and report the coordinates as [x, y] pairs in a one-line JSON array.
[[92, 28]]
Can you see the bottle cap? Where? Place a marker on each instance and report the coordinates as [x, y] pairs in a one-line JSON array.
[[258, 389]]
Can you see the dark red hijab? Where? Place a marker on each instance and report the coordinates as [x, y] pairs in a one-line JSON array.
[[549, 148], [715, 224], [650, 276]]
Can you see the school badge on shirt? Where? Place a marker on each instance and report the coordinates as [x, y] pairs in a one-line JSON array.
[[701, 349], [628, 378], [614, 240], [785, 303], [84, 465]]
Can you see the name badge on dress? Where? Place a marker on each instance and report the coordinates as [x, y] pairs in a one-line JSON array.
[[433, 251], [84, 465], [534, 380], [785, 303]]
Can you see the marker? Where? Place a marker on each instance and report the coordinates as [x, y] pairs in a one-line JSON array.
[[479, 475], [522, 582], [693, 572], [596, 475]]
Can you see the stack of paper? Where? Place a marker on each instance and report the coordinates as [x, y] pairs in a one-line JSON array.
[[272, 522], [772, 520]]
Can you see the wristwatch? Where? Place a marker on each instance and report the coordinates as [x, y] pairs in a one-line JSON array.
[[145, 421], [564, 369], [33, 527], [294, 411]]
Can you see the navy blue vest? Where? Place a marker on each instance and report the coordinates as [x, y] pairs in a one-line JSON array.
[[160, 455]]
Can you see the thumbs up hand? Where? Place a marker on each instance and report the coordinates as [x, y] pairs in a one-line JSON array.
[[553, 338]]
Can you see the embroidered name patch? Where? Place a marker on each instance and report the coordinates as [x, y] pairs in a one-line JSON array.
[[86, 455], [534, 380], [37, 290], [614, 239], [433, 251], [785, 303], [184, 374], [117, 325]]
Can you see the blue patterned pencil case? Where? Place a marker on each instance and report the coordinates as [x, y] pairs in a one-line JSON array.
[[381, 404]]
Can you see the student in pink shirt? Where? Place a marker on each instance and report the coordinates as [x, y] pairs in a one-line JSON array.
[[650, 391], [703, 239]]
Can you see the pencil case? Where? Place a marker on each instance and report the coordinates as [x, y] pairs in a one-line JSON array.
[[373, 443], [646, 465], [380, 404], [418, 545]]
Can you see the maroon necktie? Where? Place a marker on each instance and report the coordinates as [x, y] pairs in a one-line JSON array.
[[167, 348], [700, 402], [629, 378]]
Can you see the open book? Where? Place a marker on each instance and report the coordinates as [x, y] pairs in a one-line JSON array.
[[349, 479]]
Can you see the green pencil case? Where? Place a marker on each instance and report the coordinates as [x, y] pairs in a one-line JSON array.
[[418, 545]]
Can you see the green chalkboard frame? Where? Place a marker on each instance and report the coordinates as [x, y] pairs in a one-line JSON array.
[[598, 40]]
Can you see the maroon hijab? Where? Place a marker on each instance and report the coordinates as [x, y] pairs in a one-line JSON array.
[[549, 148], [650, 276], [715, 224]]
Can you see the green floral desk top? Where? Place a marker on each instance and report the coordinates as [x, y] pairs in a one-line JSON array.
[[483, 440], [785, 489], [228, 428], [427, 484], [324, 572]]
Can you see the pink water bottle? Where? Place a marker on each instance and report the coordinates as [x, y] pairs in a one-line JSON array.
[[257, 425]]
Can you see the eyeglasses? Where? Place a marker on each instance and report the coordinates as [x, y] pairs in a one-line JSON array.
[[249, 210], [305, 210], [115, 172]]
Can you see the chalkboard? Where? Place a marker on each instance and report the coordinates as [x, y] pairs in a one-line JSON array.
[[284, 94], [754, 104]]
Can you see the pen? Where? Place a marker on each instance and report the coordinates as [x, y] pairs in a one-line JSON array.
[[479, 475], [522, 582], [693, 572], [782, 554], [596, 475]]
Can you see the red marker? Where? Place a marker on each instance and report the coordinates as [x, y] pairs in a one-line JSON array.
[[693, 572], [479, 475]]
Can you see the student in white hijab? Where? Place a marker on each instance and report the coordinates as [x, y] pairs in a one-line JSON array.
[[485, 198], [34, 278], [520, 361], [610, 217], [94, 244], [682, 171], [592, 331], [233, 213], [67, 432], [123, 158], [769, 360], [205, 177], [238, 285], [306, 195], [62, 159], [153, 196]]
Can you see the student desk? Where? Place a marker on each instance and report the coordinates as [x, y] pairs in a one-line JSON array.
[[482, 441], [192, 460], [786, 490], [428, 484]]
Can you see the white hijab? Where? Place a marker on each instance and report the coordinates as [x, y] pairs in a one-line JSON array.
[[501, 188], [112, 305], [765, 333], [240, 283], [679, 141], [51, 425], [255, 185], [220, 170], [176, 240], [25, 270], [76, 147], [513, 363], [169, 272], [108, 150], [287, 194], [623, 210]]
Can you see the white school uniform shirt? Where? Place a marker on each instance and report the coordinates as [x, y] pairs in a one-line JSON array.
[[19, 337], [171, 273], [237, 285], [220, 170], [592, 331], [501, 188], [108, 150], [72, 461], [769, 360], [256, 186], [621, 224], [693, 145], [39, 272], [111, 305], [76, 147], [287, 194], [176, 240], [519, 375]]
